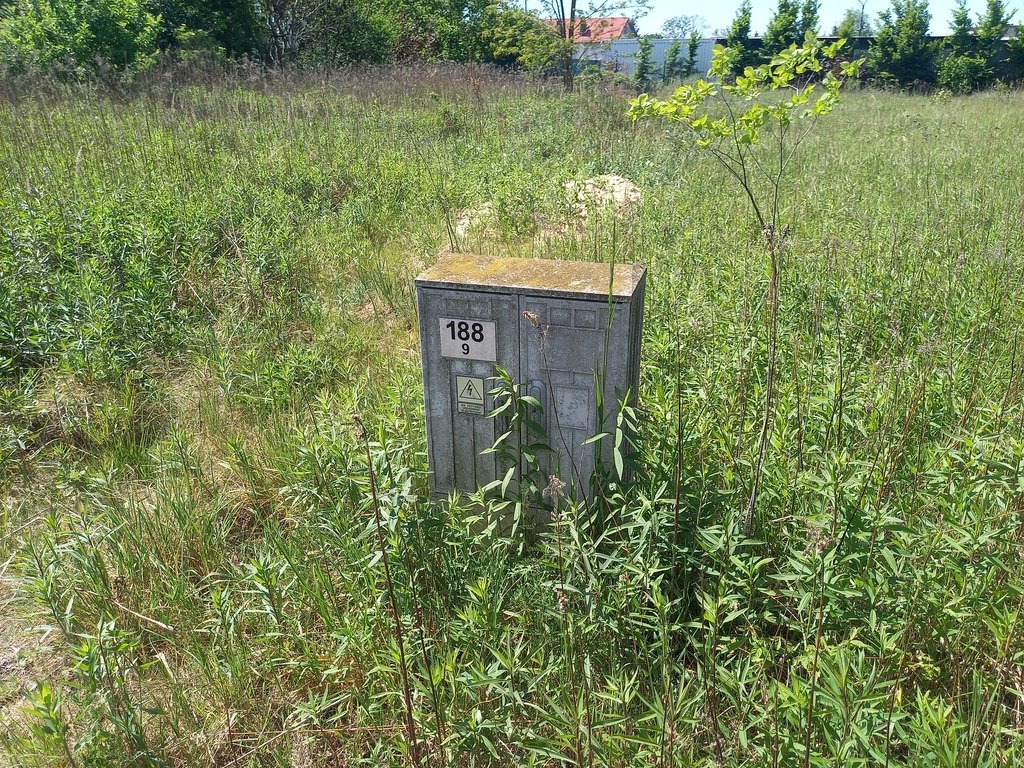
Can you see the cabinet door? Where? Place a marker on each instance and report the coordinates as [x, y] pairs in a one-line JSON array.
[[464, 335], [575, 349]]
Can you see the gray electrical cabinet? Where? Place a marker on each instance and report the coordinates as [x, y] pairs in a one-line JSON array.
[[563, 331]]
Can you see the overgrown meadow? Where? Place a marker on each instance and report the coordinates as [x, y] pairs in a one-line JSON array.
[[205, 286]]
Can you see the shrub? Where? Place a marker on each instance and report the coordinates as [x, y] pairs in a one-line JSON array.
[[963, 74], [512, 36], [644, 71], [738, 38], [1015, 62], [902, 53], [673, 61], [121, 32]]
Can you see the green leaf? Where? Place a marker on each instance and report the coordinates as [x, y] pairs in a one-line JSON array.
[[507, 479]]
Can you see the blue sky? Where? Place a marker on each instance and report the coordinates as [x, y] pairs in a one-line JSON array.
[[720, 13]]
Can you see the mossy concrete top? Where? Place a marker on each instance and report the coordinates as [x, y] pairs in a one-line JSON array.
[[535, 277]]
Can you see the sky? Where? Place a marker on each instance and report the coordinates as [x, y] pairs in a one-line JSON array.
[[719, 14]]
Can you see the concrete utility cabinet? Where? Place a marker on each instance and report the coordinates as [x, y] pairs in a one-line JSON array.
[[559, 328]]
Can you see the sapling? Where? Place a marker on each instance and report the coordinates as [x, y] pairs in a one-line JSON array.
[[753, 125]]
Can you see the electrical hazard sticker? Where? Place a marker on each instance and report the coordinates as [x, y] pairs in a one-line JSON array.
[[469, 394]]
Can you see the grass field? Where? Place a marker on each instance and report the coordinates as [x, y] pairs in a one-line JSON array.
[[201, 286]]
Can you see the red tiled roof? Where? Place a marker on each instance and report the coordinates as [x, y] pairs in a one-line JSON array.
[[595, 30]]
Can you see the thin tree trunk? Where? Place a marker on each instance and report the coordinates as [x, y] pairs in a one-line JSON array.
[[567, 31]]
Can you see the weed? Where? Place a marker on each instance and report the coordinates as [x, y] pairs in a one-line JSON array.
[[202, 279]]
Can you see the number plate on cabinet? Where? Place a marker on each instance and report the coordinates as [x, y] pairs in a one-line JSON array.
[[468, 339]]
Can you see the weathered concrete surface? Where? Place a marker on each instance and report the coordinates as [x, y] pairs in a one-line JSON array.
[[568, 332], [537, 277]]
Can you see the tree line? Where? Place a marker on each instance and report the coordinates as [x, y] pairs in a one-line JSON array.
[[899, 50], [131, 34], [897, 46]]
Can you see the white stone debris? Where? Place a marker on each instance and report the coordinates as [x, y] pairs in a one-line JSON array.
[[586, 199], [607, 191]]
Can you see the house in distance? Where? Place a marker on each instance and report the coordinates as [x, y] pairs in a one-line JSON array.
[[601, 29]]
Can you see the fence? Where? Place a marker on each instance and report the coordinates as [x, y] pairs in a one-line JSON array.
[[620, 55]]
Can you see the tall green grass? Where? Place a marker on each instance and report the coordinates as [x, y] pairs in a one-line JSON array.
[[201, 286]]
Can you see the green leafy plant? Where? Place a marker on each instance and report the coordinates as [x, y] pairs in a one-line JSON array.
[[759, 123], [49, 725], [519, 449]]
